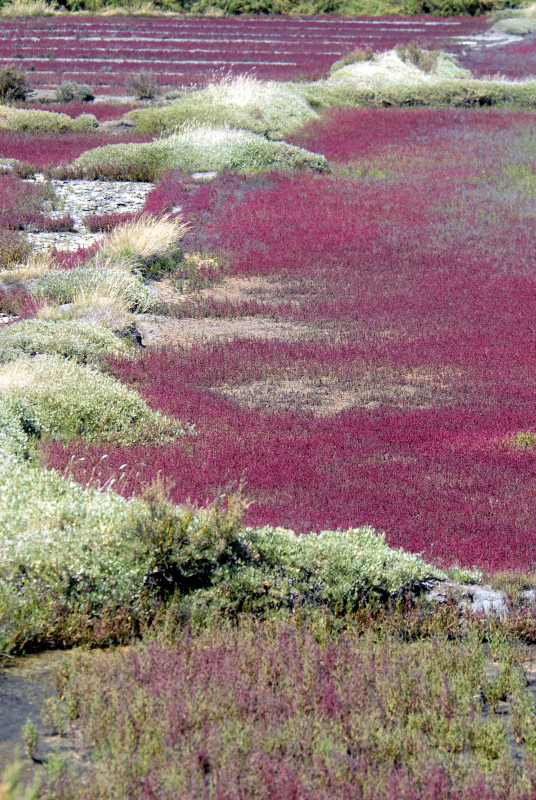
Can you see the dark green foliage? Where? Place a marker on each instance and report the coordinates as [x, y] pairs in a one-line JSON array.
[[163, 264], [13, 84], [310, 7], [447, 8]]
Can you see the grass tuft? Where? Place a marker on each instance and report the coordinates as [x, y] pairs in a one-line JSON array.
[[143, 239]]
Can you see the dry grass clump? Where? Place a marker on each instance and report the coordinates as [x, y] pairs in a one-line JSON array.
[[143, 239], [144, 85], [14, 250], [12, 787], [37, 263], [110, 286]]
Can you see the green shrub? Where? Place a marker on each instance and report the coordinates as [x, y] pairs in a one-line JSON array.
[[84, 342], [217, 565], [13, 84], [518, 26], [70, 91], [67, 564], [270, 108], [24, 120], [15, 428], [66, 286], [197, 150], [449, 93], [72, 401]]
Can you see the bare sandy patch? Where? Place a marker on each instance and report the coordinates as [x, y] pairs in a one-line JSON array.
[[236, 289], [166, 331], [327, 396]]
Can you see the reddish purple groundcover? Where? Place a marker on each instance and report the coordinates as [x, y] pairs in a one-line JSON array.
[[187, 50], [40, 149], [419, 289]]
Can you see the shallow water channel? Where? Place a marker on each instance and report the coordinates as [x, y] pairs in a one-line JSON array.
[[25, 683]]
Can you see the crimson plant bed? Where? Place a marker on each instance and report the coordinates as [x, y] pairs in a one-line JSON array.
[[408, 278], [185, 51]]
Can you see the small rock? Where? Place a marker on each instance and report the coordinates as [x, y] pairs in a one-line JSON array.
[[205, 176], [115, 125], [132, 334]]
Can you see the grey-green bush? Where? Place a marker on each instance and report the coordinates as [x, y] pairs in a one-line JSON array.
[[197, 150], [72, 401], [85, 342], [14, 84], [70, 91], [266, 107], [65, 286]]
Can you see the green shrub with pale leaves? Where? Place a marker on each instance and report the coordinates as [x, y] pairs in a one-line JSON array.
[[26, 120], [197, 150], [219, 566], [266, 107], [85, 342], [73, 401], [65, 286]]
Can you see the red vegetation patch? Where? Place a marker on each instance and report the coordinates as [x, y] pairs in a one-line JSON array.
[[107, 222], [421, 288], [19, 303], [20, 202], [41, 149], [185, 50], [272, 713]]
